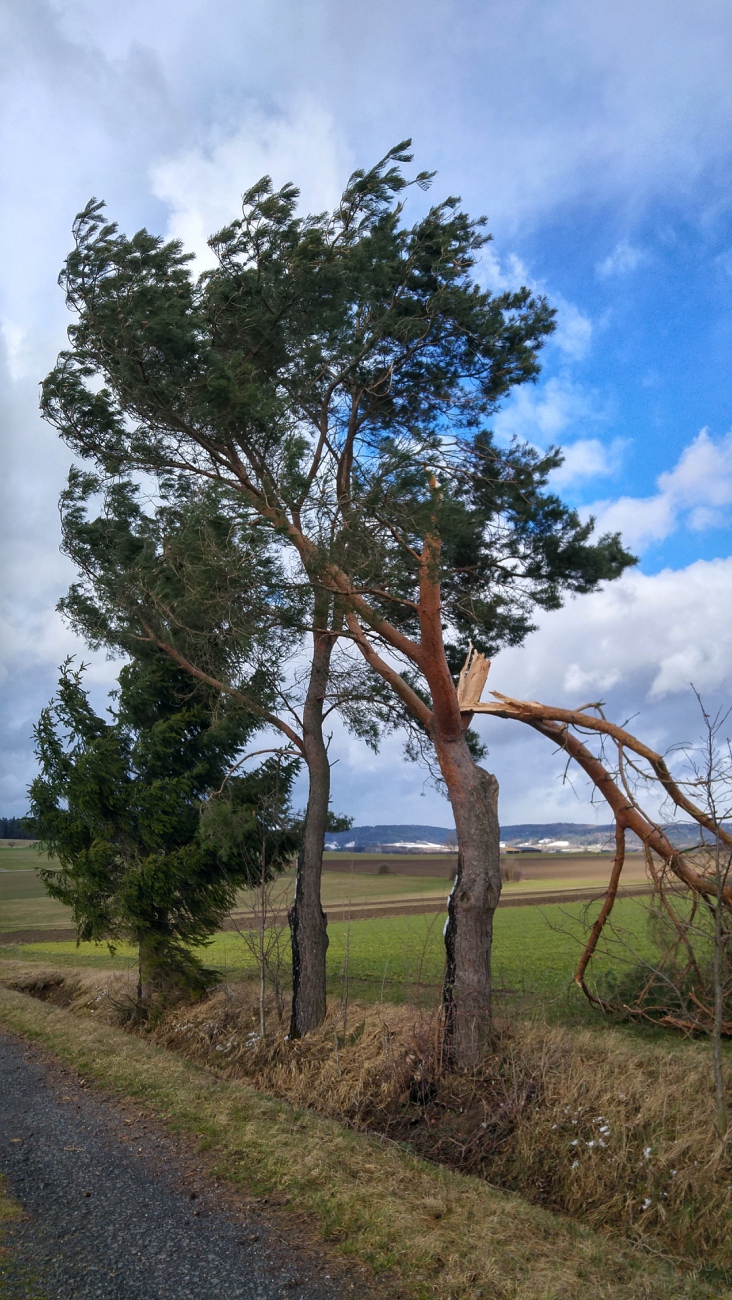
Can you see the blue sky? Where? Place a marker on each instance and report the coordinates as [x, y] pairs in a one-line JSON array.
[[598, 141]]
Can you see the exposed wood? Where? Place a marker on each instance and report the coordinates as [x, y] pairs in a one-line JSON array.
[[473, 677]]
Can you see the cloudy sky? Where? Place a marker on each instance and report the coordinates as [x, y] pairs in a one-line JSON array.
[[596, 138]]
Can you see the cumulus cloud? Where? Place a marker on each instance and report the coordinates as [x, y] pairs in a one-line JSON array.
[[695, 492], [639, 645], [546, 412], [588, 458]]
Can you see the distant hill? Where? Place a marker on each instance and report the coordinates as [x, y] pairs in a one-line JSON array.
[[391, 838], [539, 835]]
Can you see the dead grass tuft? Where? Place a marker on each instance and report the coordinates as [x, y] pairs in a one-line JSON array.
[[610, 1130]]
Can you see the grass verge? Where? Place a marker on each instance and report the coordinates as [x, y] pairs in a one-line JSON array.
[[442, 1234]]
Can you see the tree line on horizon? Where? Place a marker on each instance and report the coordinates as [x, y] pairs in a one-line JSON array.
[[288, 505]]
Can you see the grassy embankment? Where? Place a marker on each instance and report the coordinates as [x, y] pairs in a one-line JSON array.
[[429, 1232]]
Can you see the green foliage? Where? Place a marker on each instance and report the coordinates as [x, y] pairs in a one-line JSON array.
[[336, 371], [119, 804], [197, 574], [338, 822]]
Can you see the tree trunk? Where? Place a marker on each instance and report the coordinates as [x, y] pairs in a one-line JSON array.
[[308, 923], [168, 971], [473, 900], [474, 797], [160, 975]]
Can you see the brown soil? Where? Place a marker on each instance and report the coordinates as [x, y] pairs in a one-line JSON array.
[[425, 907]]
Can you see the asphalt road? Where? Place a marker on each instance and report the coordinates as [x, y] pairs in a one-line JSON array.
[[117, 1208]]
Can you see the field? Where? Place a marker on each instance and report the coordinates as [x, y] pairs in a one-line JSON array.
[[395, 957], [352, 887], [399, 959]]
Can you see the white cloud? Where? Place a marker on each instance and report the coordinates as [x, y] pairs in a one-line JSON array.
[[695, 493], [656, 633], [588, 458], [501, 274], [638, 644], [204, 186], [573, 334], [623, 259], [549, 102], [545, 412]]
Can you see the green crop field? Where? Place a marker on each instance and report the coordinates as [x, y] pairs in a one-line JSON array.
[[397, 957], [534, 954], [20, 855], [25, 905]]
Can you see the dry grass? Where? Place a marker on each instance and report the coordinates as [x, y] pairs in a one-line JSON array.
[[442, 1234], [605, 1128]]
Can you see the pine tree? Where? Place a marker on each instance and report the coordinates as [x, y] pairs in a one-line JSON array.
[[339, 372]]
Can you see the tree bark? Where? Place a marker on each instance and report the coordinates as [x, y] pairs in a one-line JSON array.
[[473, 794], [472, 903], [308, 922]]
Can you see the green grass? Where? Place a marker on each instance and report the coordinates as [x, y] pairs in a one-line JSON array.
[[21, 857], [534, 953]]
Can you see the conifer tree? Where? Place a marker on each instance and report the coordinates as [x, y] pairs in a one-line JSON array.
[[122, 805], [339, 371]]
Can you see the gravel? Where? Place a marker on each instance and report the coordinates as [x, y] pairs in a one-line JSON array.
[[117, 1208]]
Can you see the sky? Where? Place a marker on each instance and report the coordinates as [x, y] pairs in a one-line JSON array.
[[597, 140]]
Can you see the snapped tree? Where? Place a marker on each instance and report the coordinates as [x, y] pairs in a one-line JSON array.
[[338, 371], [118, 805]]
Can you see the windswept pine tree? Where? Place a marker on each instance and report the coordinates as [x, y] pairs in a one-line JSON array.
[[339, 372]]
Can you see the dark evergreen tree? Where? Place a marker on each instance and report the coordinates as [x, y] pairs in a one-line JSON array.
[[120, 805]]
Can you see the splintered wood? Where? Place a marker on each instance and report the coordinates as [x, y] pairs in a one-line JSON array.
[[472, 679]]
